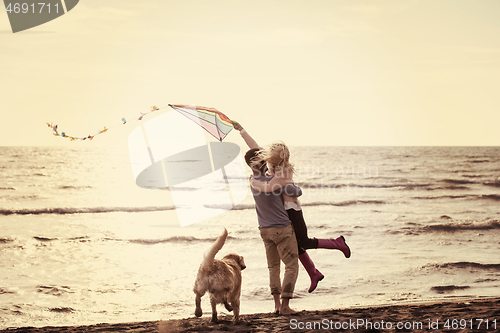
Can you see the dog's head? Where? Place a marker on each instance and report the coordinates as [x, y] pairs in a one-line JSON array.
[[236, 258]]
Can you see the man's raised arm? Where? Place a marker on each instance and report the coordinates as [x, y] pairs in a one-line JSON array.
[[244, 134]]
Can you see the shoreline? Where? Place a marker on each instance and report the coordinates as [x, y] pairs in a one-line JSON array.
[[479, 315]]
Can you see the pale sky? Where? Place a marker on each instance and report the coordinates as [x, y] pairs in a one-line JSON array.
[[308, 72]]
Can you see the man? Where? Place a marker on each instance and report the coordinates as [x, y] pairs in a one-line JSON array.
[[276, 230]]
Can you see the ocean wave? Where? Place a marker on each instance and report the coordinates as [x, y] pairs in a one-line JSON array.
[[243, 207], [346, 203], [54, 290], [6, 291], [485, 280], [495, 197], [458, 181], [98, 210], [176, 239], [5, 240], [418, 229], [62, 310], [44, 239], [81, 239], [451, 187], [455, 184], [447, 289], [461, 196], [451, 227], [23, 197], [74, 187], [337, 185], [412, 187], [314, 204], [464, 265], [22, 243], [93, 210], [494, 184], [402, 184], [8, 188]]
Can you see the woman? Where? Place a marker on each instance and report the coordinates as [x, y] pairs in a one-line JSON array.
[[277, 157]]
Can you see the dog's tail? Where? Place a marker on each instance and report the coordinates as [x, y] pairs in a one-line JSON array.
[[208, 261]]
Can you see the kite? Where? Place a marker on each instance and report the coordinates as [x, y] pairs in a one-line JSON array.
[[213, 121], [90, 137]]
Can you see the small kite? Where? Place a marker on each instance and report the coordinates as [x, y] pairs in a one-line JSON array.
[[90, 137], [212, 120]]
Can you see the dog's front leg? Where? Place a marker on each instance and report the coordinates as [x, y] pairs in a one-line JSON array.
[[214, 309], [198, 312]]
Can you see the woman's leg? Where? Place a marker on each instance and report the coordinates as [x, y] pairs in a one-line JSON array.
[[335, 244], [314, 274], [304, 242], [299, 225]]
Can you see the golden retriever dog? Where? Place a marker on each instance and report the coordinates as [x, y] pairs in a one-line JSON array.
[[221, 278]]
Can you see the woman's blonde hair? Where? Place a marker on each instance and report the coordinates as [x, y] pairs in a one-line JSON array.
[[277, 157]]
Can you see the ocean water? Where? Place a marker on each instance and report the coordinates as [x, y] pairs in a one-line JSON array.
[[80, 243]]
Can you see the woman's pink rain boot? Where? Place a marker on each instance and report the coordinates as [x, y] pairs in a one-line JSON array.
[[314, 274], [335, 244]]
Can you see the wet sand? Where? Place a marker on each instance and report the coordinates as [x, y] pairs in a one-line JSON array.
[[475, 315]]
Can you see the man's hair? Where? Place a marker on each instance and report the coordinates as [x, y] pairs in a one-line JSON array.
[[252, 156]]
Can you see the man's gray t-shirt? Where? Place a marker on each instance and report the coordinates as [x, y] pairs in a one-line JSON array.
[[270, 205]]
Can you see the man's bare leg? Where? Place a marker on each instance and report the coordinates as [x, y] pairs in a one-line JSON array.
[[285, 307], [277, 303]]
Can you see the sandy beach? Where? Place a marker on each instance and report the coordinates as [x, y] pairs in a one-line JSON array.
[[478, 315]]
